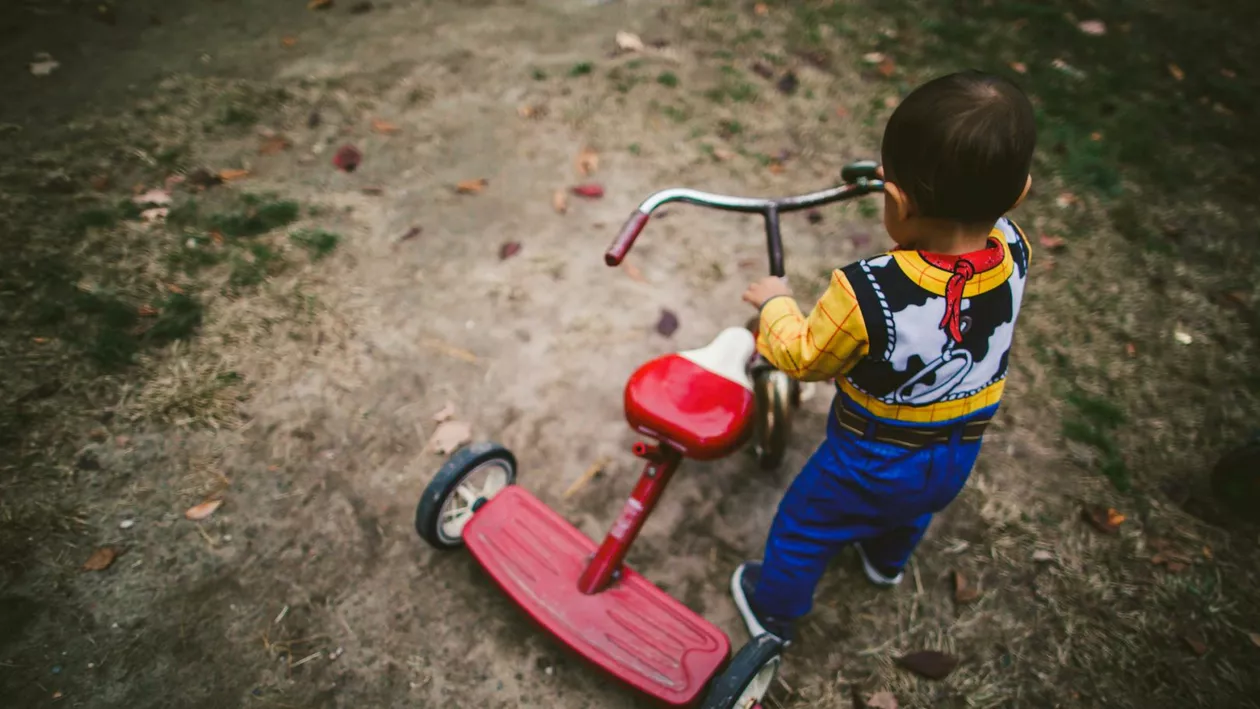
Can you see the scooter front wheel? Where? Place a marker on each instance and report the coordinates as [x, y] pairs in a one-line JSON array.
[[469, 478], [748, 677], [776, 395]]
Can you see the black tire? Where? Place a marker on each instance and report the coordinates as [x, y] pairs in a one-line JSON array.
[[728, 687], [776, 396], [448, 479], [1236, 481]]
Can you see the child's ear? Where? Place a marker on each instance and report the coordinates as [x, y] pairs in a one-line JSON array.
[[900, 202], [1022, 195]]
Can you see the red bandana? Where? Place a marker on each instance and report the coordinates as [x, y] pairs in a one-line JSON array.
[[962, 269]]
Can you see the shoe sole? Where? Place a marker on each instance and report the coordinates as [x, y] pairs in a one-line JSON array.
[[755, 628], [873, 575]]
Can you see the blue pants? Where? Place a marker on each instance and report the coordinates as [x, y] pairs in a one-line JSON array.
[[855, 490]]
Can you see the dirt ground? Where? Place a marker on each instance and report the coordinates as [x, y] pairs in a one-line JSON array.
[[307, 397]]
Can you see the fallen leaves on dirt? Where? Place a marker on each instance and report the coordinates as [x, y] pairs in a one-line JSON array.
[[929, 663], [1065, 200], [1051, 242], [474, 186], [154, 197], [531, 111], [788, 83], [634, 272], [1183, 338], [1255, 638], [667, 325], [629, 42], [1094, 28], [1196, 644], [560, 201], [1043, 555], [273, 145], [44, 64], [1105, 519], [1019, 67], [964, 593], [761, 9], [587, 162], [1176, 72], [449, 436], [589, 190], [881, 700], [873, 57], [410, 234], [288, 41], [886, 68], [199, 512], [147, 311], [319, 4], [102, 558], [230, 174], [347, 158], [1130, 349], [509, 249], [384, 127], [157, 214], [1068, 69]]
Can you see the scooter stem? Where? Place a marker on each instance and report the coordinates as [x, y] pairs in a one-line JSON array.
[[606, 564]]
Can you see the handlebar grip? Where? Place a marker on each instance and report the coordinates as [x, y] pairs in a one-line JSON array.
[[629, 232]]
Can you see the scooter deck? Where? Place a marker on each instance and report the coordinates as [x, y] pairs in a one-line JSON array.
[[632, 629]]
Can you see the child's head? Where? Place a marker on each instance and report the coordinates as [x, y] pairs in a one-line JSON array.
[[957, 150]]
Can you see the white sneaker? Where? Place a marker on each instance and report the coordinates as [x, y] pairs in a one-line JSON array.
[[872, 574]]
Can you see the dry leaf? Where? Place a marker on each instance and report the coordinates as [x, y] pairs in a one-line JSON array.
[[667, 325], [373, 191], [634, 272], [886, 68], [1176, 72], [1043, 555], [411, 233], [1196, 645], [629, 42], [100, 183], [230, 174], [384, 127], [172, 288], [1175, 567], [446, 413], [1229, 73], [1095, 28], [788, 84], [590, 190], [40, 340], [288, 41], [761, 10], [44, 64], [146, 311], [873, 57], [156, 197], [560, 201], [509, 249], [723, 154], [1019, 67], [471, 186], [881, 700], [1183, 338], [1130, 349], [319, 4], [964, 593], [530, 111], [100, 559], [202, 511], [273, 145], [1104, 519], [776, 167], [347, 158], [1096, 136], [1052, 242], [587, 162], [929, 663], [449, 436], [1255, 638], [891, 101], [156, 214], [763, 70], [1207, 552], [1065, 200]]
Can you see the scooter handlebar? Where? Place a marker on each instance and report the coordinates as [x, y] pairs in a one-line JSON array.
[[629, 232]]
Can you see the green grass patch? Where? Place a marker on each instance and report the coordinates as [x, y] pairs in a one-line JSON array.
[[667, 79], [317, 242], [252, 265], [258, 215], [1093, 423], [581, 69]]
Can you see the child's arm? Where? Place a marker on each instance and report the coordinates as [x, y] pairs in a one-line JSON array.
[[825, 344]]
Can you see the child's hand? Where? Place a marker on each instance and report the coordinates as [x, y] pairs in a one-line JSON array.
[[765, 289]]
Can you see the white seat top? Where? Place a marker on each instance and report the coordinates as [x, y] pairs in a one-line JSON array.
[[727, 355]]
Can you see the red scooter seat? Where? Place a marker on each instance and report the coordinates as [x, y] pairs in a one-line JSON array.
[[699, 401]]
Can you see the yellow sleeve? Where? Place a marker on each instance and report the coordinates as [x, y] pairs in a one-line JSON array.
[[826, 344]]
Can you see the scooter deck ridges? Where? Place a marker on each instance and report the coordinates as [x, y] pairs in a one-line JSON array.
[[633, 629]]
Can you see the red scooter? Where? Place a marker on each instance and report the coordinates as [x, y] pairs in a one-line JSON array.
[[702, 404]]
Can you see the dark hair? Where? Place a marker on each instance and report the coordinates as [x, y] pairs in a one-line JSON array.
[[961, 146]]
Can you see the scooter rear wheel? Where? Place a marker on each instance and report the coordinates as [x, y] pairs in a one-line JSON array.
[[748, 677], [469, 478]]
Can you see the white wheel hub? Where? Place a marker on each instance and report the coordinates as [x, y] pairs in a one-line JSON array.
[[481, 483], [760, 684]]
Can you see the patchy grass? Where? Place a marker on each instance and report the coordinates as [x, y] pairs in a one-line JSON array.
[[317, 242], [258, 214], [668, 79], [581, 69]]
